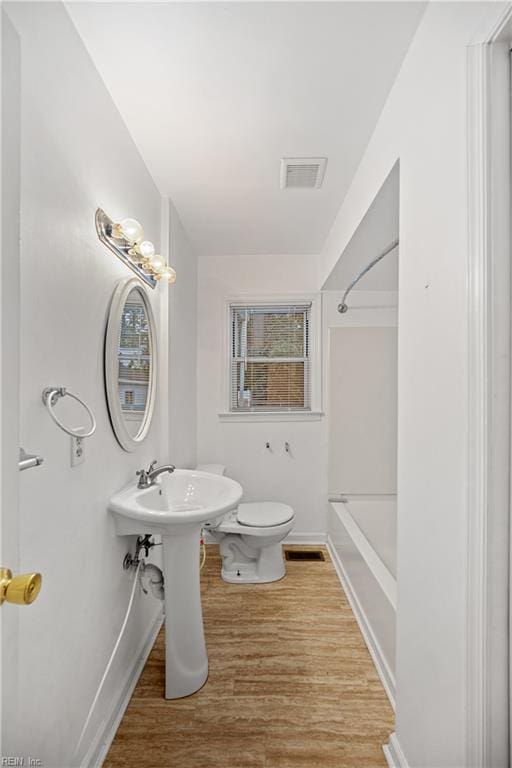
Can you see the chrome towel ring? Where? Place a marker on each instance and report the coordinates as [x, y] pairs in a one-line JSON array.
[[51, 396]]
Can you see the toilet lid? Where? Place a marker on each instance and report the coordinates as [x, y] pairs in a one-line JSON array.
[[264, 514]]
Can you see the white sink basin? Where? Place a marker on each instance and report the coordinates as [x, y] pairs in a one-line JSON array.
[[176, 507], [179, 499]]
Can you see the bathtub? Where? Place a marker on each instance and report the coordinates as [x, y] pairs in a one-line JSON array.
[[362, 543]]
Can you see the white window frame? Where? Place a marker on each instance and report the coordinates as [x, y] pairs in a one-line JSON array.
[[315, 338]]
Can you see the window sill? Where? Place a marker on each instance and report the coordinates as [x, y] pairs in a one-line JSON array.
[[249, 416]]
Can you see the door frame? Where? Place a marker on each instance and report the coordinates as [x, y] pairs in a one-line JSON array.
[[489, 395]]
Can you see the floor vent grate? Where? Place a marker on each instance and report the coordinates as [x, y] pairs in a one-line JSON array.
[[310, 554]]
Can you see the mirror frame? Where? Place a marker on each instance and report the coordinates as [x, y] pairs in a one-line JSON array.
[[121, 293]]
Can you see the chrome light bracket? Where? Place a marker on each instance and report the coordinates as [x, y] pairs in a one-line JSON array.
[[122, 248]]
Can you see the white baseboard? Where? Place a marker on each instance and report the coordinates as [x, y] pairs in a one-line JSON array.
[[306, 538], [393, 753], [386, 676], [314, 538], [104, 736]]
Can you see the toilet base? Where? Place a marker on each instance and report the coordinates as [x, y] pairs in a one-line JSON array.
[[230, 579], [246, 564]]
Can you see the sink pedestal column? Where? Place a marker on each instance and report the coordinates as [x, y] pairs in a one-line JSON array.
[[186, 662]]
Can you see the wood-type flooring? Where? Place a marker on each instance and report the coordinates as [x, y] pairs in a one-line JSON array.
[[291, 683]]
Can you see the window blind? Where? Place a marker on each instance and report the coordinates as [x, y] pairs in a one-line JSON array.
[[270, 358]]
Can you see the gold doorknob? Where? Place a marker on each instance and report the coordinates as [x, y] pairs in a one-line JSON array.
[[21, 590]]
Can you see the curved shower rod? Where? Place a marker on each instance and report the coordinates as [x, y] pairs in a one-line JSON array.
[[342, 307]]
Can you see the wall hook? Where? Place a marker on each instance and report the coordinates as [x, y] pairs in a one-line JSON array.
[[268, 446], [287, 447]]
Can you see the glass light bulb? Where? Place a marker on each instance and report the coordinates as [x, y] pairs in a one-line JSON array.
[[146, 249], [132, 230], [168, 275], [157, 262]]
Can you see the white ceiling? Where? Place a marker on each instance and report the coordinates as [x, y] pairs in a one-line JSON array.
[[215, 94], [377, 230]]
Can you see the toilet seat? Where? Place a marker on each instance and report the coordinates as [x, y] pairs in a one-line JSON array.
[[258, 518], [263, 514]]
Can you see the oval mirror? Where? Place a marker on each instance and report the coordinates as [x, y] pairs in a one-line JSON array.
[[130, 363]]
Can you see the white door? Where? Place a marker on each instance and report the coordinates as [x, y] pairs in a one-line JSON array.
[[9, 370], [11, 729]]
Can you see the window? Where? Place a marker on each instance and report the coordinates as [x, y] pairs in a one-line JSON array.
[[270, 358]]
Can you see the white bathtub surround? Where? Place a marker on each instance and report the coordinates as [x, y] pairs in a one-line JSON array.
[[371, 524], [363, 400], [361, 388], [361, 544]]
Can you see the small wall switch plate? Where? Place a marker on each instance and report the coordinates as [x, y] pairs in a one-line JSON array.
[[77, 450]]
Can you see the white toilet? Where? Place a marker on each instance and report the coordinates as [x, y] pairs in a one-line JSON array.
[[250, 537]]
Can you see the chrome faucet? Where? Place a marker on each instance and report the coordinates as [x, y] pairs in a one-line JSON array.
[[148, 477]]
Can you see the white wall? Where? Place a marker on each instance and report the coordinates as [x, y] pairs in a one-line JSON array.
[[76, 155], [182, 347], [298, 478], [423, 124]]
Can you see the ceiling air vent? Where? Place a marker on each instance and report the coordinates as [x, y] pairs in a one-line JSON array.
[[302, 172]]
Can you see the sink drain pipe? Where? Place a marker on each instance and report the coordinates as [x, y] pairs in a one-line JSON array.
[[148, 571], [156, 579]]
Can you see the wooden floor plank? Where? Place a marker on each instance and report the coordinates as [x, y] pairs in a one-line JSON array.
[[291, 683]]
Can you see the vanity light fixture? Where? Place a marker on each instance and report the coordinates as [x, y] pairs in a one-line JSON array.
[[128, 229], [125, 239]]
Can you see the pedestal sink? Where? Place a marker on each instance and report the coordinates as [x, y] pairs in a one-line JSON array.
[[176, 507]]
